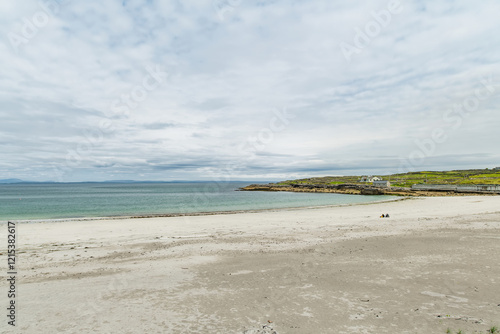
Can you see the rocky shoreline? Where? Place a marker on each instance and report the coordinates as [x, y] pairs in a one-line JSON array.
[[355, 189]]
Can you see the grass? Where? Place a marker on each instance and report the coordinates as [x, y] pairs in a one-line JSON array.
[[471, 176], [492, 330]]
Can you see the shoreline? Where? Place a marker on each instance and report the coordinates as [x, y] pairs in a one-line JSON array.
[[192, 214]]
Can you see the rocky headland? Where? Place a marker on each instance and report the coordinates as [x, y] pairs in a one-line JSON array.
[[354, 189]]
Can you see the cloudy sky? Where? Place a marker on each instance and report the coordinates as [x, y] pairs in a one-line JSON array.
[[246, 90]]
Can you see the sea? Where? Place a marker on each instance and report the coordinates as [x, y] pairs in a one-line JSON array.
[[55, 201]]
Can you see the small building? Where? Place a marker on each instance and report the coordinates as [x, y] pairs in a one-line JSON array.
[[369, 178], [381, 184], [364, 178]]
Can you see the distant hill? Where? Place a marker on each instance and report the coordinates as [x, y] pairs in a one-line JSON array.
[[11, 181], [469, 176]]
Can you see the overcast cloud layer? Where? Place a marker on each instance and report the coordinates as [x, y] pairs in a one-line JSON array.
[[241, 90]]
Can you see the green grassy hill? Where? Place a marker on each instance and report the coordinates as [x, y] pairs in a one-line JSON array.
[[471, 176]]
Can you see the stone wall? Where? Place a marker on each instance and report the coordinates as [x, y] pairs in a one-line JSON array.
[[475, 188]]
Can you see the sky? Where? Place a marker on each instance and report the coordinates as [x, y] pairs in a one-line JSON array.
[[246, 90]]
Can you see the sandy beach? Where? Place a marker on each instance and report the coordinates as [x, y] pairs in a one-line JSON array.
[[433, 265]]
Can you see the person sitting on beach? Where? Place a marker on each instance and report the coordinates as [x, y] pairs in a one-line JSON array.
[[386, 215], [382, 216]]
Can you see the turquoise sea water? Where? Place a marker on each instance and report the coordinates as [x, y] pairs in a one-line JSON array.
[[75, 200]]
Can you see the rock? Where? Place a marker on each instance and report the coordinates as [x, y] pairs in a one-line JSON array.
[[372, 191], [266, 329]]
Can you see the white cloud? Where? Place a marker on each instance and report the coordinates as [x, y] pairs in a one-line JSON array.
[[226, 77]]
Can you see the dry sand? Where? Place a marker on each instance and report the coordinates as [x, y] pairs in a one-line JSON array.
[[433, 265]]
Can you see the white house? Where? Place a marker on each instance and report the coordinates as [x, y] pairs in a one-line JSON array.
[[369, 178]]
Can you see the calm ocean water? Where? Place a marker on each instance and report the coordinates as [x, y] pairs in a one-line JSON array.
[[76, 200]]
